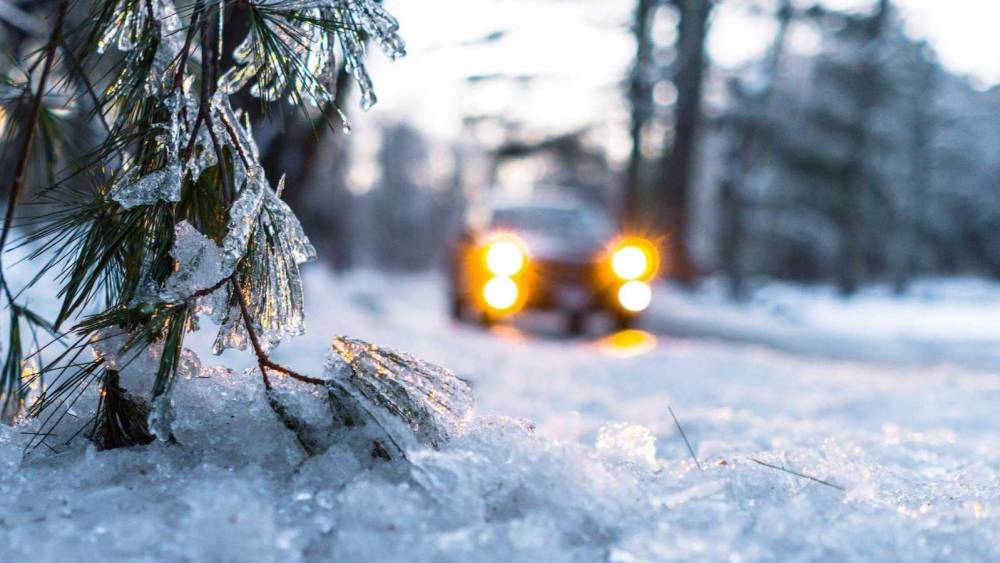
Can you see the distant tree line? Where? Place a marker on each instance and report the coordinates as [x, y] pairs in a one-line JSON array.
[[864, 161]]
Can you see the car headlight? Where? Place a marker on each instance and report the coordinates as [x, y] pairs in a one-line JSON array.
[[505, 256], [634, 296], [634, 259], [501, 294]]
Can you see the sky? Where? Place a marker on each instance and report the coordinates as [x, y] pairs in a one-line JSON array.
[[571, 55]]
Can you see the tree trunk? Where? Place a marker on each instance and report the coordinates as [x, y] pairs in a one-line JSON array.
[[854, 213], [640, 99], [920, 168], [749, 146], [678, 164], [731, 239]]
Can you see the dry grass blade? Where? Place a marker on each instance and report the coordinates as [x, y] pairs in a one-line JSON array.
[[797, 474], [684, 436]]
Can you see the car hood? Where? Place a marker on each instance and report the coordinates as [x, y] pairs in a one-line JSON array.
[[549, 248]]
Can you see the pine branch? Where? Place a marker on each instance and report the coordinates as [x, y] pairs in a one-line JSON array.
[[173, 184], [77, 70], [12, 373], [34, 112], [263, 359]]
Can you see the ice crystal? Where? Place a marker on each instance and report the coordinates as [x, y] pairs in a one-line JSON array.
[[629, 444], [298, 39], [379, 24], [243, 217], [165, 184], [304, 34], [235, 135], [200, 264], [411, 401], [135, 359], [160, 185], [161, 413], [258, 218], [128, 27]]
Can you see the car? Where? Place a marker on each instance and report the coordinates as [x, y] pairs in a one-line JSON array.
[[549, 255]]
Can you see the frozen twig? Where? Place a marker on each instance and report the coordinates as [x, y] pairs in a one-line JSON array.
[[797, 474], [263, 360], [684, 436]]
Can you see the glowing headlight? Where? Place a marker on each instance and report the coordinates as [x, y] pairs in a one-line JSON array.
[[504, 257], [500, 293], [635, 296], [634, 259], [629, 262]]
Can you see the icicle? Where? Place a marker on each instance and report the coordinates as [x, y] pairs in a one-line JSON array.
[[378, 23], [161, 75], [286, 223], [127, 27], [161, 412], [413, 402], [232, 334], [313, 46], [161, 185], [353, 48]]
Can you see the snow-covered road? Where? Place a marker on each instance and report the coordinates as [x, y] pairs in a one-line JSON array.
[[605, 474]]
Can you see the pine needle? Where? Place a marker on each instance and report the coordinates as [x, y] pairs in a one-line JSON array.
[[684, 435], [797, 474]]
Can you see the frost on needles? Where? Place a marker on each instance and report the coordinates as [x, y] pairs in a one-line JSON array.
[[179, 221]]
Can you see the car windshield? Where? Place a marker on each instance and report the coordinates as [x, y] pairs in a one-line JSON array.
[[566, 223]]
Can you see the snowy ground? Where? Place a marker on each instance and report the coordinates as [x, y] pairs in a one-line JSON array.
[[954, 322], [914, 441]]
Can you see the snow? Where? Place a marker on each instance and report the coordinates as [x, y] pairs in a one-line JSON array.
[[953, 321], [601, 472]]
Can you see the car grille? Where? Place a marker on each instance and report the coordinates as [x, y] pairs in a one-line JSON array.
[[554, 273]]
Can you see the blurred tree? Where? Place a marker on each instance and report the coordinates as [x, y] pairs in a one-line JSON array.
[[677, 166], [749, 120], [918, 88], [403, 205], [880, 165], [867, 82], [640, 101], [833, 153]]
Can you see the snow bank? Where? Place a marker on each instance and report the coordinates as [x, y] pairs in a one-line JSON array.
[[237, 487], [938, 321]]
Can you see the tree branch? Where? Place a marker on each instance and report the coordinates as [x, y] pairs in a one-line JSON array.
[[263, 359], [34, 112]]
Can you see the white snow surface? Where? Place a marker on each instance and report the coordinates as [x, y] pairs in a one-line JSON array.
[[600, 474]]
